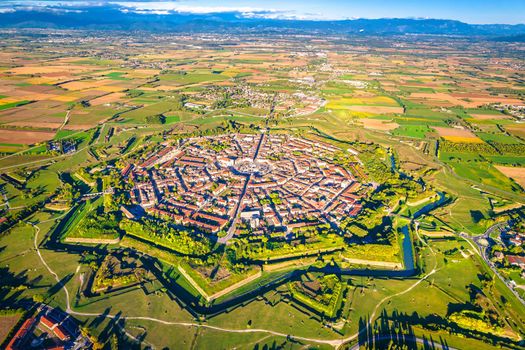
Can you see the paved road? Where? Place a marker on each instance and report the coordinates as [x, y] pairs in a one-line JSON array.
[[231, 230], [483, 253], [335, 343], [416, 340]]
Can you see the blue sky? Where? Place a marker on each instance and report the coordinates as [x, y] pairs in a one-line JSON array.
[[470, 11]]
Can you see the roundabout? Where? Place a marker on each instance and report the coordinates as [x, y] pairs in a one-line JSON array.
[[250, 167]]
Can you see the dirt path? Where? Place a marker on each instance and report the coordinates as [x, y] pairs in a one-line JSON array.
[[66, 120], [193, 283], [387, 264], [236, 286], [336, 343]]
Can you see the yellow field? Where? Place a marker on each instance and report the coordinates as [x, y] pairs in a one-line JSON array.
[[461, 139], [49, 69], [345, 102], [5, 101], [490, 116], [376, 109], [347, 114], [46, 80], [38, 97]]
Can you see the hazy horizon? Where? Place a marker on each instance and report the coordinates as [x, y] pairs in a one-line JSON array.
[[468, 11]]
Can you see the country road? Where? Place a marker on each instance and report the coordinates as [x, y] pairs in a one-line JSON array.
[[420, 341], [66, 120], [42, 160], [336, 343], [483, 253]]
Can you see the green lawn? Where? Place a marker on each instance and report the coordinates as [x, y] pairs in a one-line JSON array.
[[12, 105], [498, 137], [192, 78], [414, 131], [117, 76]]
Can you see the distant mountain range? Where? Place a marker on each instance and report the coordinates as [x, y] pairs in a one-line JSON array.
[[113, 18]]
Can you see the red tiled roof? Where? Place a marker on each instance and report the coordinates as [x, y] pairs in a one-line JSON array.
[[514, 259], [47, 322], [61, 333], [21, 333], [126, 170]]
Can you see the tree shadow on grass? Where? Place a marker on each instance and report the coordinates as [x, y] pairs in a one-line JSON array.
[[53, 290], [100, 318], [111, 327]]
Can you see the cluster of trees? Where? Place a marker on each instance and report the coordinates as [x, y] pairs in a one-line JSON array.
[[30, 192], [275, 156], [275, 198], [96, 225], [267, 248], [377, 166], [231, 96], [489, 147], [325, 300], [162, 234], [509, 148], [85, 176], [19, 215], [112, 281], [514, 250], [344, 159], [395, 331], [227, 127], [356, 230], [67, 193], [310, 233], [156, 119], [371, 221], [476, 321], [224, 102], [114, 180], [380, 252], [506, 91], [216, 145], [468, 147], [134, 93], [178, 102]]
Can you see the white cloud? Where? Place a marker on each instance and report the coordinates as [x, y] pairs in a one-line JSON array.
[[284, 15], [165, 8], [49, 6], [157, 7], [174, 7]]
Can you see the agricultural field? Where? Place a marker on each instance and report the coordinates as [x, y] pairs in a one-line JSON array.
[[255, 191]]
